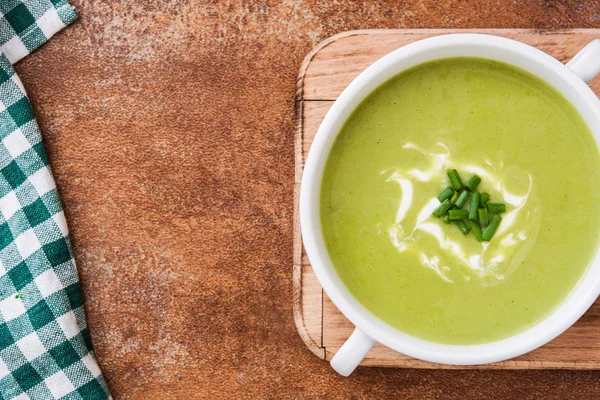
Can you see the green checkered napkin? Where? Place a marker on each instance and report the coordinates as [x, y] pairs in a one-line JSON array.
[[45, 347]]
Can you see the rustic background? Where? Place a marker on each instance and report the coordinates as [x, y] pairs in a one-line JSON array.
[[169, 126]]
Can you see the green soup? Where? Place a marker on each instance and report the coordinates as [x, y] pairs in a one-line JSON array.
[[422, 276]]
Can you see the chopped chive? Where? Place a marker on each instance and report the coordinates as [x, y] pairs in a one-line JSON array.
[[462, 199], [473, 182], [446, 194], [476, 230], [441, 210], [496, 208], [468, 209], [458, 214], [490, 230], [454, 198], [483, 216], [455, 179], [483, 199], [462, 226], [474, 205]]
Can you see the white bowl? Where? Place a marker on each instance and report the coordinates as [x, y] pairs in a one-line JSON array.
[[569, 79]]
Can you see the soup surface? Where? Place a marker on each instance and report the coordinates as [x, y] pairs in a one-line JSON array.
[[532, 150]]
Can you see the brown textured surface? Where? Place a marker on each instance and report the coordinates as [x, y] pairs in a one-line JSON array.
[[170, 130]]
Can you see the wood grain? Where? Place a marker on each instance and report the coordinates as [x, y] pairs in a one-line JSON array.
[[326, 71], [338, 62]]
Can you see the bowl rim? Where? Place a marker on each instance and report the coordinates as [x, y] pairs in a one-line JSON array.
[[493, 47]]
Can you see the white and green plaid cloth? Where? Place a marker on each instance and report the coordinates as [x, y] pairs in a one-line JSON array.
[[45, 347]]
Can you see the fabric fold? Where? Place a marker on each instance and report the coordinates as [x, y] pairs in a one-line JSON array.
[[45, 346]]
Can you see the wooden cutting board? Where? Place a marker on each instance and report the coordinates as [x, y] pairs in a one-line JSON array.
[[326, 71]]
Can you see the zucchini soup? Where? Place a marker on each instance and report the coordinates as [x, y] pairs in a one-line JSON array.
[[535, 161]]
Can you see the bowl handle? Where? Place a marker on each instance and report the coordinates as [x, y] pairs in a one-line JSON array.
[[586, 63], [351, 353]]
